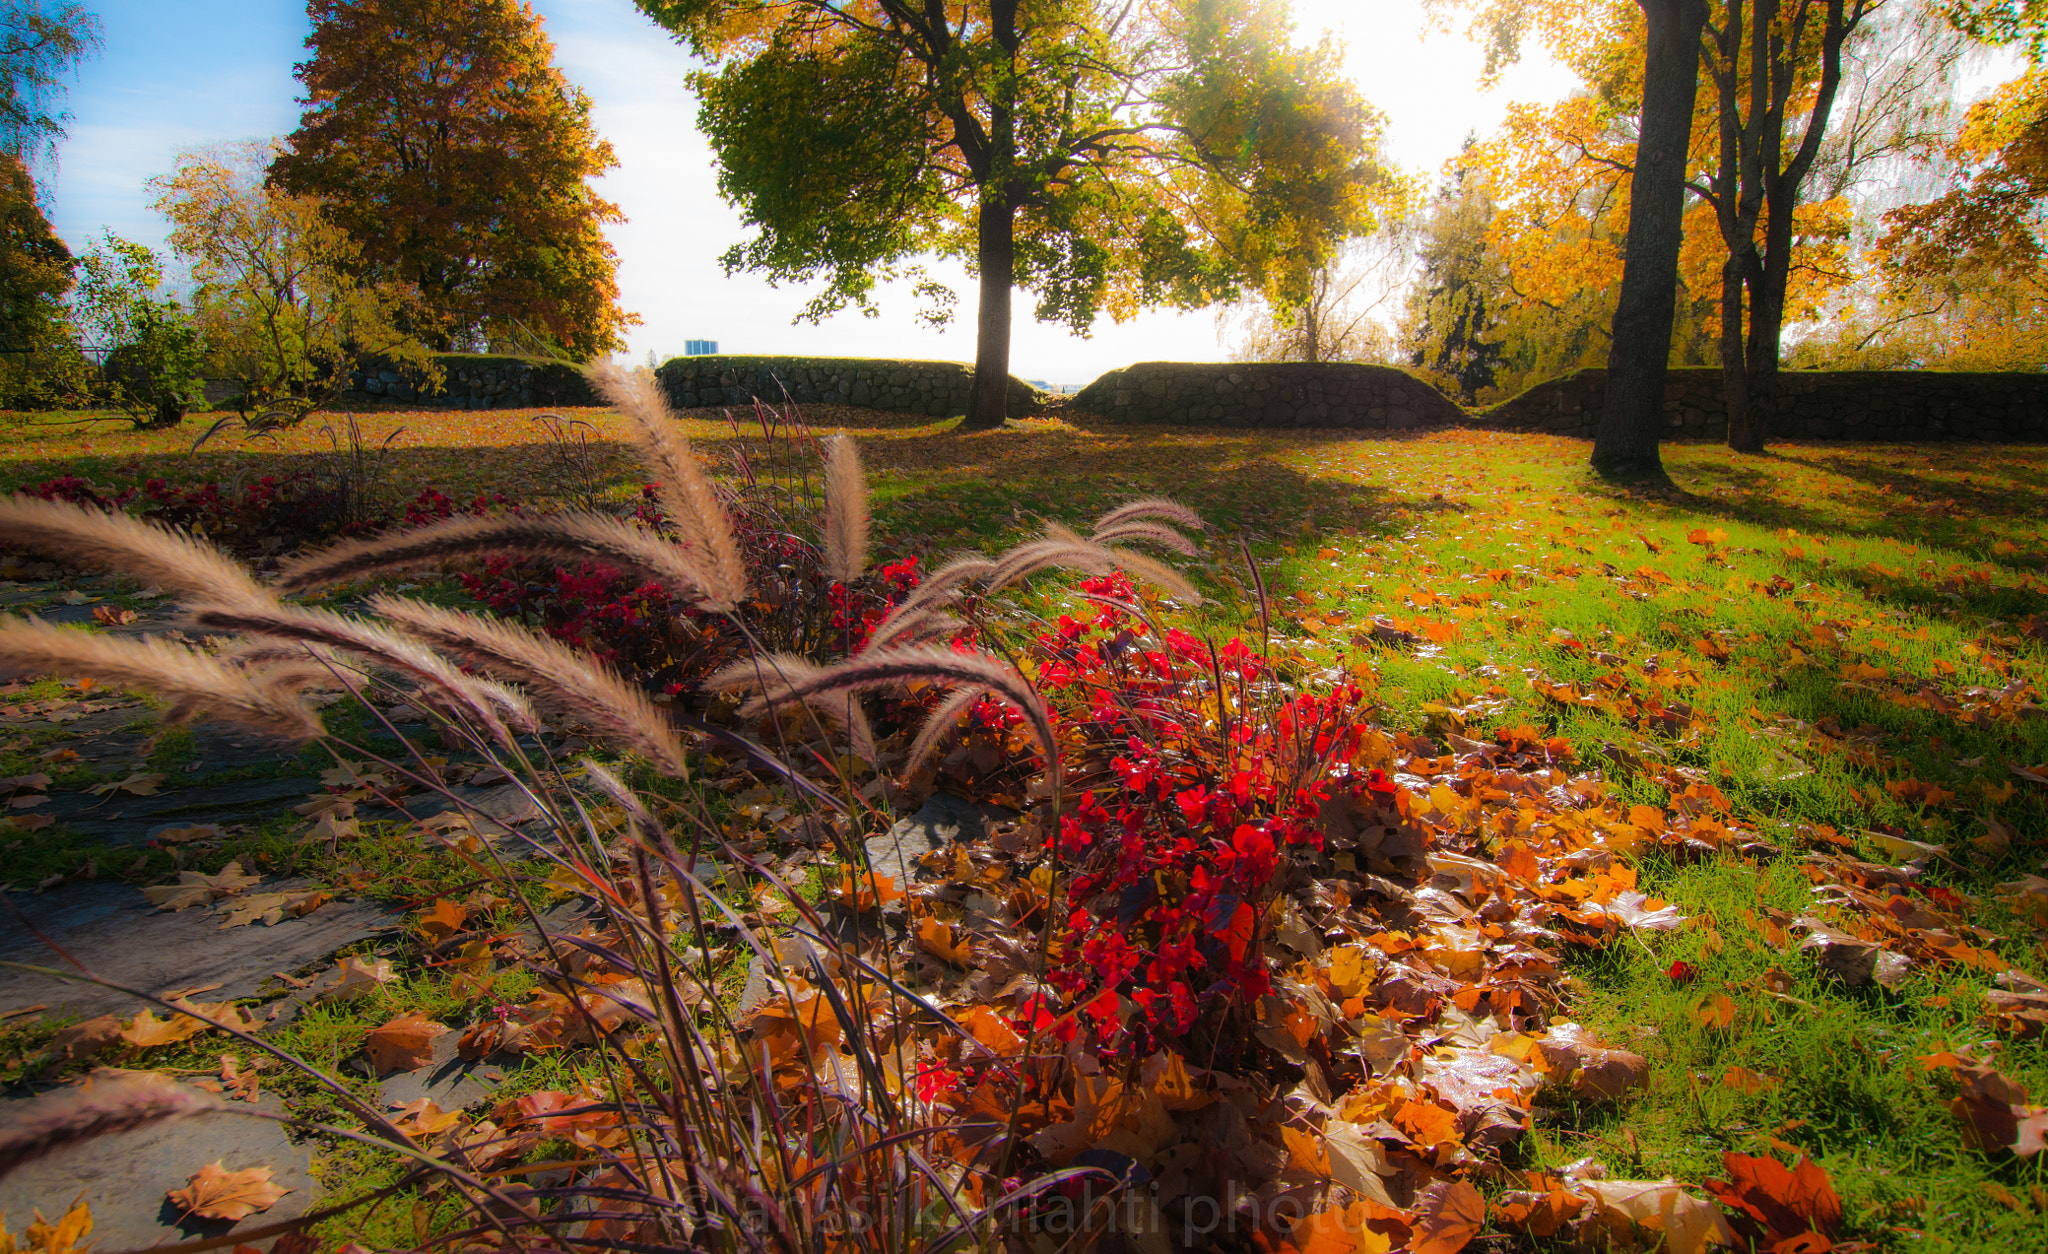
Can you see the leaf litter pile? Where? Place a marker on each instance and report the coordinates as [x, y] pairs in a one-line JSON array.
[[1308, 979]]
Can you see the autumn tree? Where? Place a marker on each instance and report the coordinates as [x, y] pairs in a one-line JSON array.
[[440, 137], [282, 307], [1978, 251], [1103, 155], [36, 271], [1639, 350], [41, 41], [1776, 66]]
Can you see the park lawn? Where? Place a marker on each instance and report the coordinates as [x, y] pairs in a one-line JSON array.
[[1846, 642]]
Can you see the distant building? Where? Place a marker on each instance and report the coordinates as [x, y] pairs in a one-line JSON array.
[[699, 348]]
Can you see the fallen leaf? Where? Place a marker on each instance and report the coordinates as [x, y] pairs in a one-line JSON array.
[[1689, 1224], [142, 784], [148, 1031], [82, 1040], [444, 920], [197, 889], [937, 938], [184, 835], [1773, 1203], [422, 1118], [43, 1237], [862, 894], [403, 1044], [272, 908], [353, 977], [1746, 1082], [1448, 1214], [109, 616], [214, 1192], [1597, 1073]]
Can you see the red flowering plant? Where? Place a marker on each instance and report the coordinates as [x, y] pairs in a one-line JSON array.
[[1205, 791]]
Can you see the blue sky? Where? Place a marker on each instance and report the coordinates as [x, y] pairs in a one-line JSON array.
[[185, 73]]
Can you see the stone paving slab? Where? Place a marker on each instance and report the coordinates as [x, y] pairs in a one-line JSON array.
[[448, 1081], [127, 819], [114, 930], [124, 1177]]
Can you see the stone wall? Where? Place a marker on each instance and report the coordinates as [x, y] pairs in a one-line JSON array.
[[1268, 394], [475, 381], [1902, 405], [936, 388]]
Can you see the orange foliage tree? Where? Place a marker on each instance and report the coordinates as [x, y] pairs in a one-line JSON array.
[[442, 138], [1564, 177]]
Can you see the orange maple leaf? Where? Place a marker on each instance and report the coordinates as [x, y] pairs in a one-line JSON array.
[[403, 1044]]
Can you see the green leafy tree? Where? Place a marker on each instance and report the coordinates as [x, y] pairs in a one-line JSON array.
[[1103, 155], [36, 270], [280, 301], [440, 137], [151, 351], [41, 41]]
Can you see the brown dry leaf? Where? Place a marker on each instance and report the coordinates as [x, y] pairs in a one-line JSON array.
[[1358, 1161], [82, 1040], [195, 888], [991, 1030], [272, 908], [404, 1044], [184, 835], [864, 893], [1689, 1224], [148, 1031], [1715, 1012], [1746, 1082], [1644, 912], [444, 920], [423, 1118], [214, 1192], [353, 977], [1448, 1214], [1773, 1203], [141, 783], [66, 1236], [1597, 1073]]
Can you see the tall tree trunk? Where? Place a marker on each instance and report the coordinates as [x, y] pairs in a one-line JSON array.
[[1734, 366], [995, 231], [1782, 181], [995, 254], [1632, 416]]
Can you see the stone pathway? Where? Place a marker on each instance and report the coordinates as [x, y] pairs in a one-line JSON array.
[[109, 925], [115, 931], [124, 1177]]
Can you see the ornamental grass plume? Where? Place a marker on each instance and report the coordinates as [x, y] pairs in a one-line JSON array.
[[686, 494], [155, 555], [846, 511], [109, 1101], [571, 536], [197, 684], [558, 674]]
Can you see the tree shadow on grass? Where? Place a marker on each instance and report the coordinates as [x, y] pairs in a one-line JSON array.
[[1967, 529]]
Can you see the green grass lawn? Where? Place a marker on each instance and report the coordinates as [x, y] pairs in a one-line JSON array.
[[1848, 643]]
